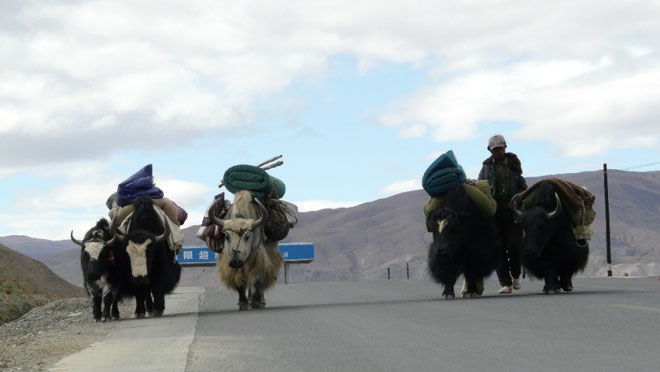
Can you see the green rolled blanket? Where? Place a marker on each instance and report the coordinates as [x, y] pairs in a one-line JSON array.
[[254, 179]]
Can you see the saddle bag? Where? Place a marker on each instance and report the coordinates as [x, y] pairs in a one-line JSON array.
[[281, 218]]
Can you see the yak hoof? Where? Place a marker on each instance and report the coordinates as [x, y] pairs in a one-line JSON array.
[[157, 313], [567, 288], [243, 306], [258, 305], [139, 315]]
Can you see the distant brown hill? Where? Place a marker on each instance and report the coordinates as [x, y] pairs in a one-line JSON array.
[[26, 283], [363, 241]]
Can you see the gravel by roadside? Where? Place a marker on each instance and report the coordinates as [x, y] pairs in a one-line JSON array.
[[46, 334]]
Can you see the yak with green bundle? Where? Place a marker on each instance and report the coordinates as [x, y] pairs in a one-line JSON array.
[[245, 233]]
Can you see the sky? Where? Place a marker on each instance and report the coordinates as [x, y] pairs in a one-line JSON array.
[[358, 96]]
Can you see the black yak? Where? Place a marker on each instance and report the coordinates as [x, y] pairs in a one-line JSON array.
[[550, 249], [154, 270], [97, 260], [463, 243]]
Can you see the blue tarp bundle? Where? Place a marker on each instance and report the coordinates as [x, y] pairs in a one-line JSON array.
[[442, 174], [139, 184]]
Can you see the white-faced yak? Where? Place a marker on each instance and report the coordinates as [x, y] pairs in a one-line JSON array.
[[464, 242], [550, 249], [97, 260], [154, 270], [249, 261]]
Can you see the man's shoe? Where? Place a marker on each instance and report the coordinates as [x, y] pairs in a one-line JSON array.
[[506, 289], [516, 284]]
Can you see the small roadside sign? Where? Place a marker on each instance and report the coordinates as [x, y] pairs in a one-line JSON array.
[[196, 255], [297, 252]]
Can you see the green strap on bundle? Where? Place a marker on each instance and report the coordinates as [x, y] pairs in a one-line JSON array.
[[254, 179]]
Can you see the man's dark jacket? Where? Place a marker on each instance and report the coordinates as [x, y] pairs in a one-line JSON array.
[[513, 175]]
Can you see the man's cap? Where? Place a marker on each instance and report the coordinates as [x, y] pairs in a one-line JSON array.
[[496, 141]]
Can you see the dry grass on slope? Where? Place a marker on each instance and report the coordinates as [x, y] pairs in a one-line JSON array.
[[26, 283]]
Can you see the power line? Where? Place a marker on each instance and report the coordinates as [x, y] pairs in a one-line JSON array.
[[642, 165]]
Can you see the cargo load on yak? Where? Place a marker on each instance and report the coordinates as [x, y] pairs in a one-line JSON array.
[[444, 174], [577, 200], [141, 183], [268, 189]]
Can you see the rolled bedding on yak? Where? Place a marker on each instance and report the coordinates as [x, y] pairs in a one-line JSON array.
[[442, 174], [254, 179], [141, 183]]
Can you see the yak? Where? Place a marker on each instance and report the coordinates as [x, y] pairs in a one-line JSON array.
[[97, 263], [249, 261], [154, 270], [464, 242], [550, 250]]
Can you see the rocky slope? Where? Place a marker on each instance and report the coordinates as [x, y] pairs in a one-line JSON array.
[[26, 283]]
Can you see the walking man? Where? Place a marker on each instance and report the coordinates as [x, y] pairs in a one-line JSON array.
[[503, 172]]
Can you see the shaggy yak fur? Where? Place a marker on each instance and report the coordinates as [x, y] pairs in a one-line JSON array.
[[550, 251], [96, 260], [463, 243], [249, 261], [154, 270]]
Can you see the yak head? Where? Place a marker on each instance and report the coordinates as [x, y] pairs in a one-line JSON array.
[[243, 228], [540, 222], [93, 244], [142, 247], [449, 234]]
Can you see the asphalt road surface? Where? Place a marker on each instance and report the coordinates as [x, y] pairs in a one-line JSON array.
[[606, 324]]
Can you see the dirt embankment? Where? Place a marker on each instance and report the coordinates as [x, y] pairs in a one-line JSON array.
[[26, 283], [48, 333]]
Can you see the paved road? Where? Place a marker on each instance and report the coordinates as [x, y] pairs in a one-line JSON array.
[[607, 324]]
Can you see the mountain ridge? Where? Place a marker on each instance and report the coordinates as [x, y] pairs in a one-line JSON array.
[[361, 242]]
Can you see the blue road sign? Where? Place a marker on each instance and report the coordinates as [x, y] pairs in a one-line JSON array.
[[297, 252], [196, 255]]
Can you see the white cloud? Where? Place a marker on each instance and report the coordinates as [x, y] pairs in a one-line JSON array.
[[185, 193], [402, 186], [315, 205], [571, 103], [91, 78], [412, 131]]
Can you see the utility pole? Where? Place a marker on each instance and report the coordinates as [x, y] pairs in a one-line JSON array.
[[607, 222], [388, 273], [407, 271]]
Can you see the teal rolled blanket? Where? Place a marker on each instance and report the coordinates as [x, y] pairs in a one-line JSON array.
[[254, 179]]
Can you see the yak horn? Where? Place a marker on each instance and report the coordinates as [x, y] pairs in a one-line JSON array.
[[165, 233], [518, 212], [553, 214], [214, 219], [263, 215], [116, 234], [78, 242]]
